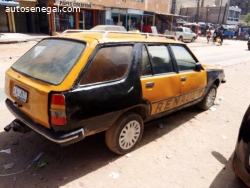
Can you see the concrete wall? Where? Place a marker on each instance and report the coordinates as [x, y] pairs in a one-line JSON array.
[[204, 3], [207, 15]]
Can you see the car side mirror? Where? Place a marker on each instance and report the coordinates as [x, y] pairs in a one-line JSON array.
[[198, 66]]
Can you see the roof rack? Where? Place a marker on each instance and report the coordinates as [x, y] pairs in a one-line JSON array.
[[122, 32], [147, 34]]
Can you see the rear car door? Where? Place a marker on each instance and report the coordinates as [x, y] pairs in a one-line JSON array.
[[160, 83], [193, 82]]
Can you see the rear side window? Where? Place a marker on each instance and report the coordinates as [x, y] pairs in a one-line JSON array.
[[177, 29], [50, 60], [145, 68], [184, 59], [161, 61], [110, 63]]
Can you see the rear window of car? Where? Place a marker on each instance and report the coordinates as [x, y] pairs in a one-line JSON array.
[[50, 60], [177, 29]]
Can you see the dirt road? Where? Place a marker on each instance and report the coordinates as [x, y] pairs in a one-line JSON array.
[[192, 149]]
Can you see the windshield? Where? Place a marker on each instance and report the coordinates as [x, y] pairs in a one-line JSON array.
[[50, 60]]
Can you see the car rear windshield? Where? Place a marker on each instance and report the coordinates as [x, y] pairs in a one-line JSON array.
[[50, 60], [177, 29]]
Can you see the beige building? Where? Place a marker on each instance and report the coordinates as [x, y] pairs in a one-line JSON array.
[[203, 3]]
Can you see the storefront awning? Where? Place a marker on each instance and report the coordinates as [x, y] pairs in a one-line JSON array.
[[174, 15], [9, 3]]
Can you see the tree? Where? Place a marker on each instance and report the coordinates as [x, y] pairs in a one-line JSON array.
[[247, 19]]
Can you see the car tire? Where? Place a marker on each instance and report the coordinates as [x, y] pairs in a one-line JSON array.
[[193, 39], [180, 39], [124, 135], [248, 47], [208, 100]]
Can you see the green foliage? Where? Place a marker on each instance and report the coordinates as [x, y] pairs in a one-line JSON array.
[[247, 19]]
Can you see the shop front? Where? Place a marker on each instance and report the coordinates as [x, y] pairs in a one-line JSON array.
[[75, 15], [131, 19], [165, 21], [7, 22]]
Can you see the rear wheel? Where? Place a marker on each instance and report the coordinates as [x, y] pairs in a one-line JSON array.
[[193, 39], [124, 135], [180, 39], [209, 98]]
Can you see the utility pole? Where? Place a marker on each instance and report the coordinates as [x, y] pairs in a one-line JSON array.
[[197, 11], [207, 14], [219, 12], [224, 13]]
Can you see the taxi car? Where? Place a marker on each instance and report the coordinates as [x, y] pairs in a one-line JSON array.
[[241, 156], [78, 84]]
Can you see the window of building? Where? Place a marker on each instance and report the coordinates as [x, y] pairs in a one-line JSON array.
[[86, 19], [64, 20], [110, 63], [184, 59]]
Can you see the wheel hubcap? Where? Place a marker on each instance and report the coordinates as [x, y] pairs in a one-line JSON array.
[[211, 98], [129, 135]]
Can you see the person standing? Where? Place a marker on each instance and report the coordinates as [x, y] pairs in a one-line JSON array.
[[215, 36], [220, 36], [208, 35]]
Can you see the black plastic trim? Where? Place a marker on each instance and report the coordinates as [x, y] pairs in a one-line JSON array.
[[61, 138]]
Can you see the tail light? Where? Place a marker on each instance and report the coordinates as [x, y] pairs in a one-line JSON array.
[[57, 110]]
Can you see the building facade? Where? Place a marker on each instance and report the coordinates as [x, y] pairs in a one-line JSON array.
[[202, 3], [244, 5], [132, 14], [214, 15]]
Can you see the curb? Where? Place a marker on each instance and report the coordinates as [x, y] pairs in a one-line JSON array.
[[6, 41]]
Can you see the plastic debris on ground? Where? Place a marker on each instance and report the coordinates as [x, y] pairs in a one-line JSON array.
[[6, 151], [41, 164], [213, 109], [114, 175], [38, 157], [8, 166], [128, 155], [169, 156], [224, 137], [201, 130], [218, 102]]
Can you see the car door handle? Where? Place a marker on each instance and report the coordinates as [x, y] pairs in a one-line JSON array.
[[150, 84], [183, 78]]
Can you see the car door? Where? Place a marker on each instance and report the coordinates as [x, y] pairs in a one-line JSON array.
[[190, 35], [193, 82], [160, 83], [186, 36]]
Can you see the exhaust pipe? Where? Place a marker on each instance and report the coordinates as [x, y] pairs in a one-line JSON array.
[[9, 127], [17, 126]]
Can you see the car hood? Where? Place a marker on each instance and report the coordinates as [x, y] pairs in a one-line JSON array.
[[209, 67]]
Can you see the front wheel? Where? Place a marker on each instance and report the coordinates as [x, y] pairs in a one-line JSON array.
[[124, 135], [209, 98]]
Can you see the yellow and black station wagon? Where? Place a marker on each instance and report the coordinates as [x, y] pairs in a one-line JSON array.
[[78, 84]]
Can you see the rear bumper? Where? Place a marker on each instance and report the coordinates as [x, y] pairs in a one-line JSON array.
[[62, 138]]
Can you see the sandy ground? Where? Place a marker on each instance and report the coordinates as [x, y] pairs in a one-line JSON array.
[[192, 149]]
